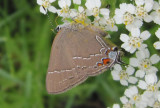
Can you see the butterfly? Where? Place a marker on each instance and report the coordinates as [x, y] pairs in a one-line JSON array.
[[78, 52]]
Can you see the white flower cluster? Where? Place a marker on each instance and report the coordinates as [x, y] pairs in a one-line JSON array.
[[140, 76], [81, 14]]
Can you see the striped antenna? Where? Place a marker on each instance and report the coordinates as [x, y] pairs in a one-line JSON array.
[[49, 18]]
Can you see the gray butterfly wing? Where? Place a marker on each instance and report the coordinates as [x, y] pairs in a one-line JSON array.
[[74, 57]]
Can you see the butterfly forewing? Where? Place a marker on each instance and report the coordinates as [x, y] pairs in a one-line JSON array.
[[74, 57]]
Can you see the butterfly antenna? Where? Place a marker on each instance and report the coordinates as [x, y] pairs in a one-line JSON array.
[[49, 18], [56, 20]]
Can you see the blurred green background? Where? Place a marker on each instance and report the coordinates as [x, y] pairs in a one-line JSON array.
[[25, 43]]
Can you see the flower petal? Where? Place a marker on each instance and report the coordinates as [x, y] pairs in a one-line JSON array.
[[152, 70], [132, 50], [148, 18], [138, 23], [117, 67], [157, 45], [115, 75], [132, 80], [124, 99], [140, 73], [155, 5], [158, 33], [116, 106], [131, 8], [89, 12], [130, 70], [105, 12], [80, 9], [90, 4], [159, 97], [151, 78], [158, 83], [134, 62], [68, 3], [142, 47], [77, 2], [126, 46], [148, 5], [51, 1], [64, 3], [124, 38], [123, 7], [131, 91], [155, 59], [140, 55], [135, 32], [142, 84], [39, 2], [139, 2], [42, 10], [52, 9], [124, 82], [145, 35], [147, 53]]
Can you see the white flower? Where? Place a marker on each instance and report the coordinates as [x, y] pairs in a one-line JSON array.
[[151, 87], [125, 15], [135, 41], [157, 101], [150, 84], [125, 102], [80, 16], [46, 5], [116, 106], [144, 62], [101, 21], [123, 75], [108, 24], [156, 13], [93, 7], [143, 8], [135, 97], [157, 44], [77, 2], [132, 93], [148, 98], [64, 5]]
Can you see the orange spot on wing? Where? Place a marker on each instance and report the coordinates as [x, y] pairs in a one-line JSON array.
[[99, 64], [106, 61]]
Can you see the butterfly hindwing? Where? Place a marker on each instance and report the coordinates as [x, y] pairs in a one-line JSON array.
[[74, 57]]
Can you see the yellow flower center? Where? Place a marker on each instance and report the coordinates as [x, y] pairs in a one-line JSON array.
[[110, 22], [95, 11], [81, 18], [65, 9], [145, 64], [136, 97], [152, 87], [128, 18], [46, 3], [140, 12], [123, 75], [135, 42]]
